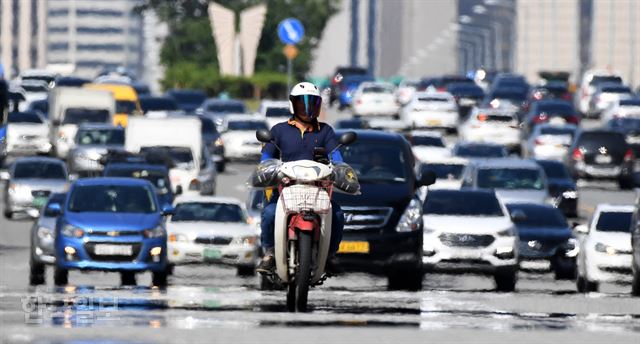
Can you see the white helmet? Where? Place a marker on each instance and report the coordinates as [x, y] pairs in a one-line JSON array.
[[305, 101]]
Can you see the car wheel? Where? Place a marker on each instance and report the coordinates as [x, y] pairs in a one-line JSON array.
[[36, 273], [8, 214], [565, 273], [60, 276], [246, 270], [221, 166], [405, 279], [635, 283], [625, 183], [128, 278], [170, 268], [159, 278], [581, 284], [506, 281]]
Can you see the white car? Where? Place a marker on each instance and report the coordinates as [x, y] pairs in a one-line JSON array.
[[239, 136], [406, 90], [34, 90], [375, 99], [605, 249], [470, 231], [275, 111], [590, 79], [27, 134], [627, 107], [431, 110], [428, 144], [448, 171], [492, 126], [607, 94], [549, 142], [212, 230]]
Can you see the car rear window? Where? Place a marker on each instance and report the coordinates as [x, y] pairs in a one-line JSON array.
[[614, 222], [101, 137], [226, 108], [616, 89], [278, 112], [80, 115], [612, 140], [601, 79], [427, 141], [556, 131], [481, 151], [24, 117], [445, 171], [246, 125], [38, 170], [208, 211], [462, 203], [510, 178], [539, 216], [560, 109]]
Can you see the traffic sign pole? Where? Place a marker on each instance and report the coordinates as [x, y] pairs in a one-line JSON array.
[[290, 32]]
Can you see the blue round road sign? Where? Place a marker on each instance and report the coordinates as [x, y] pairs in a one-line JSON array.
[[290, 31]]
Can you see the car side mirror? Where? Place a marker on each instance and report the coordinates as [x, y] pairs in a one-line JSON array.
[[53, 210], [264, 135], [426, 178], [518, 216], [178, 190], [4, 175], [73, 177], [167, 209], [348, 138]]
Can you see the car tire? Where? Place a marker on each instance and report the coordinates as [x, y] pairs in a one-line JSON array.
[[506, 281], [170, 268], [128, 278], [60, 276], [635, 283], [565, 273], [36, 273], [8, 214], [405, 279], [581, 284], [625, 183], [246, 270], [221, 166], [159, 278]]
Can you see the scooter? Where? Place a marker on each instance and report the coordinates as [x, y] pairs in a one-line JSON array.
[[303, 215]]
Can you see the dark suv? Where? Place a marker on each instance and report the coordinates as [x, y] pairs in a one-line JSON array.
[[601, 154], [383, 225], [339, 75]]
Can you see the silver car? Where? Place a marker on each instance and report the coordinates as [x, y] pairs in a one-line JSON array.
[[514, 180], [92, 143], [29, 182], [42, 239]]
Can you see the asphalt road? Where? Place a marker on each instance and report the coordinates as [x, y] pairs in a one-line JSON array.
[[212, 304]]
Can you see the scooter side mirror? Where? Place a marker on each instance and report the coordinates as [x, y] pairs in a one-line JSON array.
[[264, 135], [348, 138]]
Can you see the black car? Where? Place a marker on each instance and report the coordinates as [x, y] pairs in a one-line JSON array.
[[467, 96], [152, 103], [562, 188], [339, 75], [383, 225], [630, 128], [550, 90], [188, 100], [479, 150], [601, 154], [550, 111], [545, 236]]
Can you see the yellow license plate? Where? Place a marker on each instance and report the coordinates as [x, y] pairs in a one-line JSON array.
[[354, 247], [434, 122]]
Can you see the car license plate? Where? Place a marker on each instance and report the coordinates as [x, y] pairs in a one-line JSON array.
[[354, 247], [603, 159], [433, 122], [557, 121], [39, 202], [535, 264], [212, 253], [113, 250]]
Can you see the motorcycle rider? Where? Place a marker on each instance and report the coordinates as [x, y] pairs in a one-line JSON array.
[[297, 139]]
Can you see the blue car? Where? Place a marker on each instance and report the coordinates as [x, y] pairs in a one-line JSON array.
[[158, 175], [111, 224], [348, 87], [545, 237]]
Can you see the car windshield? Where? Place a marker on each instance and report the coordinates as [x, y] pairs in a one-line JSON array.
[[595, 140], [246, 125], [606, 79], [556, 108], [125, 106], [158, 178], [377, 161], [510, 178], [625, 124], [554, 170], [611, 221], [80, 115], [278, 112], [427, 141], [24, 117], [445, 171], [539, 216], [511, 96], [39, 170], [462, 203], [208, 211], [158, 104], [100, 137], [112, 199], [226, 108], [480, 151], [377, 89], [616, 89], [557, 131]]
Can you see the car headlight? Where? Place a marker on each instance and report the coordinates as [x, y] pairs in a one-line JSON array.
[[44, 233], [19, 190], [600, 247], [178, 238], [245, 240], [72, 231], [411, 219], [572, 248], [508, 232], [570, 194], [157, 232]]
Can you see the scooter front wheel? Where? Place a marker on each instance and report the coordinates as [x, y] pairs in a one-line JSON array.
[[305, 245]]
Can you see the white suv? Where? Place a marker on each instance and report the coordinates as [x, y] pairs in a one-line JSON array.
[[470, 231]]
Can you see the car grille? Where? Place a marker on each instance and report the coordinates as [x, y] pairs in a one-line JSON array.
[[90, 248], [29, 137], [466, 240], [358, 218], [40, 193], [115, 233], [539, 247], [217, 240]]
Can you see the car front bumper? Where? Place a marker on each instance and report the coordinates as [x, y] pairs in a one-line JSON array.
[[602, 267], [433, 119], [191, 253]]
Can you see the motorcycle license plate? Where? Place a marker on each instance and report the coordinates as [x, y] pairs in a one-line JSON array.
[[211, 253], [354, 247], [113, 250]]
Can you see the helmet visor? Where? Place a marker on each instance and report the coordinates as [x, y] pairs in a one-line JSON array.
[[306, 106]]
